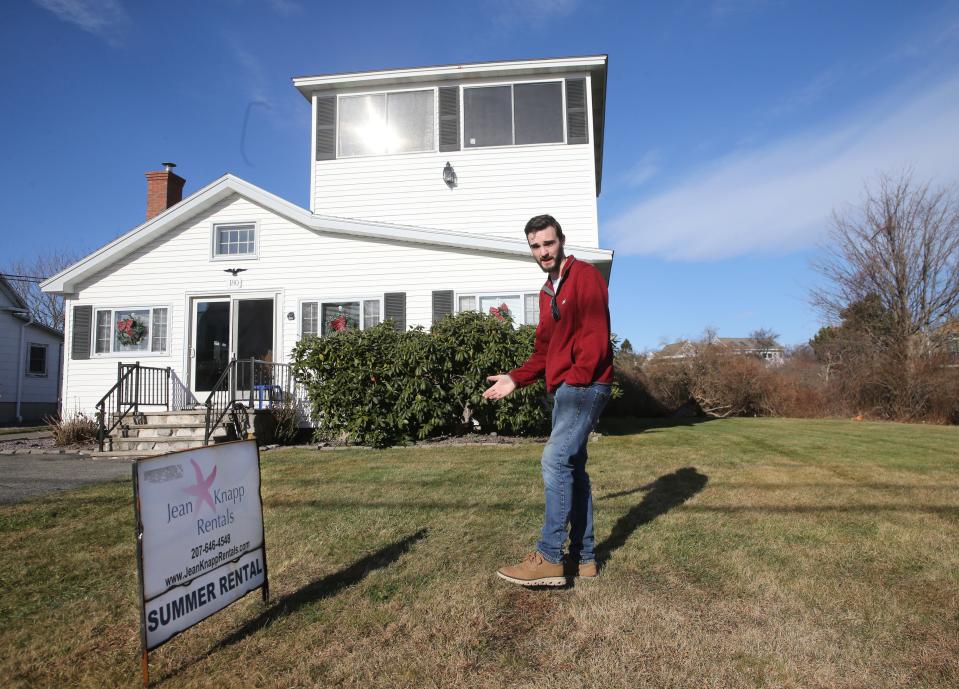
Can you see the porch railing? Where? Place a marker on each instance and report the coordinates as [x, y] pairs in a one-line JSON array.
[[252, 382], [137, 386]]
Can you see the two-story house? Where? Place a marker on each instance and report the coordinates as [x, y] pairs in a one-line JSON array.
[[421, 181]]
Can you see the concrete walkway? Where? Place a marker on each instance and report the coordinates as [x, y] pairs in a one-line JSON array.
[[26, 476], [26, 435]]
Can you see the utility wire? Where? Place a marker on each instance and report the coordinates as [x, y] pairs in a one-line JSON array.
[[22, 278]]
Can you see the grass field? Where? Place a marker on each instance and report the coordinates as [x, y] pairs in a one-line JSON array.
[[736, 553]]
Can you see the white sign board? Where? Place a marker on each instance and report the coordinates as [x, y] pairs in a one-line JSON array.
[[200, 525]]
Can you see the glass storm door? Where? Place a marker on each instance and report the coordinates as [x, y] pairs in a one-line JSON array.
[[224, 329], [253, 339], [211, 344]]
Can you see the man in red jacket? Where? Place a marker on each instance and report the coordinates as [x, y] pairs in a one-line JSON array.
[[574, 353]]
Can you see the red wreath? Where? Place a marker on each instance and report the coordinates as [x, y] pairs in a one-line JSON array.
[[501, 312]]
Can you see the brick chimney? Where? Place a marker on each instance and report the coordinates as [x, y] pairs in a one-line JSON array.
[[164, 189]]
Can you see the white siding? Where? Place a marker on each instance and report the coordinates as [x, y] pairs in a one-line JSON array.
[[42, 389], [294, 264], [498, 189], [9, 346]]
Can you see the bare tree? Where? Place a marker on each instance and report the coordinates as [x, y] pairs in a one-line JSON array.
[[765, 338], [895, 259], [44, 307], [902, 245]]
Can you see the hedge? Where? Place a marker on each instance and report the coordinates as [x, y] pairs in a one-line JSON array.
[[381, 387]]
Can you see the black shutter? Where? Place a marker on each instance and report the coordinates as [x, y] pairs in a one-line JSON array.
[[576, 129], [442, 304], [394, 306], [82, 322], [325, 127], [449, 118]]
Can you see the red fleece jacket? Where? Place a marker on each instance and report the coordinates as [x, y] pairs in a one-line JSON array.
[[575, 349]]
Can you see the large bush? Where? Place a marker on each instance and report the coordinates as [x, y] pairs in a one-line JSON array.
[[379, 386]]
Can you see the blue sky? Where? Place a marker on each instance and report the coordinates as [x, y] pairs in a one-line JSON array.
[[734, 127]]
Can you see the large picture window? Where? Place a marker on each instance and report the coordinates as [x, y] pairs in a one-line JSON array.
[[326, 317], [381, 123], [131, 330], [513, 114], [523, 308]]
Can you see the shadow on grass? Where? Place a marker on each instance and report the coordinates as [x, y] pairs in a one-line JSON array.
[[664, 494], [629, 425], [324, 588]]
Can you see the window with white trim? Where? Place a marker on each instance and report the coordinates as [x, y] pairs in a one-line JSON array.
[[513, 114], [135, 329], [383, 123], [326, 317], [522, 307], [37, 360], [234, 240]]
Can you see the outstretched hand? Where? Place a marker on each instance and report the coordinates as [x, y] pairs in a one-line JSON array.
[[502, 387]]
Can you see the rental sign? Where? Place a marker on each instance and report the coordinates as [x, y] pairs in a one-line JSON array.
[[200, 540]]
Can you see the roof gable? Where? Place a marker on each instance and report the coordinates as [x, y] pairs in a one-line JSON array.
[[8, 292], [67, 280]]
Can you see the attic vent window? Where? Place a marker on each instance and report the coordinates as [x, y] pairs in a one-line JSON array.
[[234, 240], [383, 123]]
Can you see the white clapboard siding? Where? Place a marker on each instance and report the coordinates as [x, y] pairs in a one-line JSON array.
[[13, 363], [498, 189], [294, 263], [42, 389]]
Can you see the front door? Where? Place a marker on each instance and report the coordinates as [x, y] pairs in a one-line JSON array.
[[226, 328]]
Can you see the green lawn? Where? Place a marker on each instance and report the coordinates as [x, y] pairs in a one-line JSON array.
[[737, 553]]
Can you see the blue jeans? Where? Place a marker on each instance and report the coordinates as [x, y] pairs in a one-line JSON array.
[[569, 500]]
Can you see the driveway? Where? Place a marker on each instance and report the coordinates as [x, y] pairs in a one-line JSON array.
[[24, 476]]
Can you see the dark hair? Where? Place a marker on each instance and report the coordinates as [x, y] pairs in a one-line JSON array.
[[541, 222]]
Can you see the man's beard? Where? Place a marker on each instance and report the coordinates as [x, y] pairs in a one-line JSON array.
[[557, 261]]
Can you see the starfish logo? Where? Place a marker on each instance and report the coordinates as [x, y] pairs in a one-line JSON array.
[[201, 490]]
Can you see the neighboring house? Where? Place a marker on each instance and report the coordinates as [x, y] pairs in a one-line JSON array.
[[742, 346], [945, 342], [421, 181], [30, 356]]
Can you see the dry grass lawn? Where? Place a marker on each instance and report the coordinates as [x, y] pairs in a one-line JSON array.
[[737, 553]]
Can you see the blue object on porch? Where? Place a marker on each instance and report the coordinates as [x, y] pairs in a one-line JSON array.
[[267, 395]]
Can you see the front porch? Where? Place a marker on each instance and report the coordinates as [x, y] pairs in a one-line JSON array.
[[149, 410]]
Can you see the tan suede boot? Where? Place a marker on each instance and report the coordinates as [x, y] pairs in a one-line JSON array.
[[586, 570], [534, 570]]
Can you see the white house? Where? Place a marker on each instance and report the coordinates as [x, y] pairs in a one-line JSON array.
[[30, 355], [421, 181]]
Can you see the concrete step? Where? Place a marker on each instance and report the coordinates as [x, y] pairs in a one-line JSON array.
[[159, 444], [168, 430]]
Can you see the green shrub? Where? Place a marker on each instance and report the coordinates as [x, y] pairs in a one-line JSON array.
[[379, 386]]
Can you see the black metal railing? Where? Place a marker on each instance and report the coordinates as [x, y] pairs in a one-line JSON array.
[[252, 383], [137, 386]]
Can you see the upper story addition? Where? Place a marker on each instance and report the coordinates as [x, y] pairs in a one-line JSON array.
[[476, 148]]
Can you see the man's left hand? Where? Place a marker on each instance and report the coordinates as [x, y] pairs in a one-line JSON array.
[[502, 387]]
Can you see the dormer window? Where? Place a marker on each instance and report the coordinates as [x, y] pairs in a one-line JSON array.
[[383, 123], [513, 114]]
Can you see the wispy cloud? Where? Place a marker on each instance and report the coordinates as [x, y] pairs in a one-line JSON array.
[[778, 198], [286, 7], [723, 8], [253, 71], [106, 19], [814, 90], [644, 170], [512, 13]]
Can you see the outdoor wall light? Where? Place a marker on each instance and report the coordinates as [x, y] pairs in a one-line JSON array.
[[290, 316], [449, 175]]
